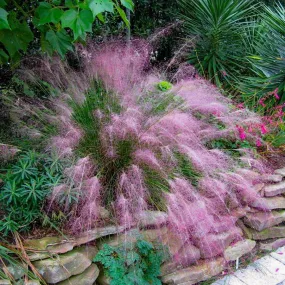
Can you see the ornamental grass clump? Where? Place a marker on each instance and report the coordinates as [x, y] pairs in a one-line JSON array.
[[136, 148]]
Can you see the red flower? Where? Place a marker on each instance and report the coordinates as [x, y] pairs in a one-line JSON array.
[[242, 133], [258, 143], [261, 102], [275, 93], [263, 129]]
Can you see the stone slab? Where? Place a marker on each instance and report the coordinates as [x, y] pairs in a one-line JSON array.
[[274, 190], [280, 171], [269, 203], [229, 280], [279, 255], [88, 277], [271, 178], [274, 232], [66, 265], [265, 272], [239, 249], [263, 220], [272, 244], [98, 233], [194, 274]]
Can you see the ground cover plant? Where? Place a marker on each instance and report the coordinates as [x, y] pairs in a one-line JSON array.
[[26, 184], [135, 264]]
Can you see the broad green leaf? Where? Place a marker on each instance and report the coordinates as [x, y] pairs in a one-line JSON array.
[[123, 15], [48, 14], [45, 45], [18, 38], [69, 3], [3, 19], [56, 2], [128, 4], [3, 57], [79, 22], [100, 6], [59, 41], [2, 3]]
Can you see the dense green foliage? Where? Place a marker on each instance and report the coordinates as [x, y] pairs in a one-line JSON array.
[[137, 264], [217, 27], [27, 182], [55, 24], [268, 60]]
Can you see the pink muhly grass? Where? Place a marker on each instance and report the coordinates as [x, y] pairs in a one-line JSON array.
[[196, 213], [122, 69], [201, 97], [87, 217], [147, 157], [123, 212], [80, 171], [131, 186]]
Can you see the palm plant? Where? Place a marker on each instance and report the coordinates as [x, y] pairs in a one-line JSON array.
[[218, 29], [268, 61]]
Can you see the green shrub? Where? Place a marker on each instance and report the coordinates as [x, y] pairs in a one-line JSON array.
[[27, 183], [267, 62], [218, 30], [137, 265]]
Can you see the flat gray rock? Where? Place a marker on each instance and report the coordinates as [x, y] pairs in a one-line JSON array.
[[275, 189], [272, 245], [98, 233], [279, 254], [280, 171], [229, 280], [274, 232], [269, 203], [66, 265], [263, 220], [239, 249], [263, 273], [194, 274], [271, 178], [88, 277]]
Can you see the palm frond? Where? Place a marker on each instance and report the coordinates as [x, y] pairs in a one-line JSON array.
[[219, 27]]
